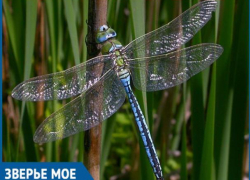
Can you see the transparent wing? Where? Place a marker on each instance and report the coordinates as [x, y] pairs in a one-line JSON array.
[[86, 111], [172, 35], [64, 84], [165, 71]]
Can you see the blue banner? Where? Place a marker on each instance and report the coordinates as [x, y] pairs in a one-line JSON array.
[[44, 170]]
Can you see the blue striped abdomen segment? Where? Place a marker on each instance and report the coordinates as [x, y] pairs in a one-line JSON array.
[[143, 129]]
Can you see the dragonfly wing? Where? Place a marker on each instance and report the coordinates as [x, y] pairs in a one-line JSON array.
[[172, 35], [64, 84], [168, 70], [86, 111]]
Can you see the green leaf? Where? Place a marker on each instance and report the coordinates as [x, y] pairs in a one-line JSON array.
[[71, 21], [51, 15], [26, 120], [85, 29], [224, 95], [240, 85], [206, 169], [198, 114], [51, 20], [16, 46]]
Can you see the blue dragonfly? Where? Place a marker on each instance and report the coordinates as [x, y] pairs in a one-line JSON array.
[[154, 61]]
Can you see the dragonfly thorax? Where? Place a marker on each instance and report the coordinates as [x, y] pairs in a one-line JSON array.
[[106, 37], [120, 64]]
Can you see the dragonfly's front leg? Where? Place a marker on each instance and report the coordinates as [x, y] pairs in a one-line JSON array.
[[143, 128]]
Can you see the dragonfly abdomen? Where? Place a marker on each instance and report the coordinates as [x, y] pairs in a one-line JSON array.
[[143, 129]]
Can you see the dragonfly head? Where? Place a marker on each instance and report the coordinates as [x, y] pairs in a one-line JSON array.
[[104, 33]]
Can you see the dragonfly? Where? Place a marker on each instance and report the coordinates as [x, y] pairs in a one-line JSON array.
[[154, 61]]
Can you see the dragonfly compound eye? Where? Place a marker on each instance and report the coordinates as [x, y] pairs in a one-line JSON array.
[[103, 28]]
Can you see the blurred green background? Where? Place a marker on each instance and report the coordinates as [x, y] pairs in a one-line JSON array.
[[200, 128]]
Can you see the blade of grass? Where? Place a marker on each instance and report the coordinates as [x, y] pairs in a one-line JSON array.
[[60, 31], [240, 85], [50, 9], [51, 20], [25, 122], [123, 33], [71, 21], [85, 28], [112, 13], [13, 39], [223, 93], [76, 8], [207, 164], [31, 16], [18, 14], [17, 60], [198, 114]]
